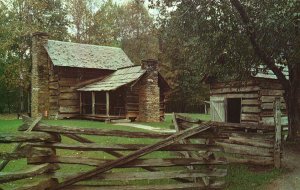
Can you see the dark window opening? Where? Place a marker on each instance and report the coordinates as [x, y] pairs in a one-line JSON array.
[[234, 110]]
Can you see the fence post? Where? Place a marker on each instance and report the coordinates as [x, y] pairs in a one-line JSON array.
[[18, 146], [278, 133]]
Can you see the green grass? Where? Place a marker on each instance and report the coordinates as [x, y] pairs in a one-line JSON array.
[[167, 124], [11, 126], [239, 177], [242, 178], [12, 116]]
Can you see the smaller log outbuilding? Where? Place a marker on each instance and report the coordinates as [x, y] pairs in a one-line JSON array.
[[250, 101], [95, 82]]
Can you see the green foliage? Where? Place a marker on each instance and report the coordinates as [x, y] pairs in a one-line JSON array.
[[168, 122], [183, 64], [106, 28], [80, 16], [206, 37], [190, 38], [128, 26], [209, 37], [214, 35], [85, 21], [138, 32], [18, 20]]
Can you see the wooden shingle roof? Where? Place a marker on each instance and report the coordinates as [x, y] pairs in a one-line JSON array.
[[116, 80], [69, 54], [263, 72]]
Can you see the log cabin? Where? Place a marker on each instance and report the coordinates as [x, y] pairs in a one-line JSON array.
[[72, 80], [248, 101]]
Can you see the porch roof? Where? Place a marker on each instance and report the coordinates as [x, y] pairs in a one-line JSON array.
[[117, 79]]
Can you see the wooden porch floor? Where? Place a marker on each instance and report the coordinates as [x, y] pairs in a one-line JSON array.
[[101, 117]]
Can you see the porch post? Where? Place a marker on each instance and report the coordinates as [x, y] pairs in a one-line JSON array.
[[107, 103], [80, 103], [93, 103]]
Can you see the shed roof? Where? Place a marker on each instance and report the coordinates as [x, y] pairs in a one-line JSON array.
[[117, 79], [86, 56], [263, 72]]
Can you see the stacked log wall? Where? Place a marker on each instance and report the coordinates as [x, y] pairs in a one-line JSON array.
[[69, 78], [270, 89], [252, 144], [249, 94], [132, 102], [257, 99], [54, 93]]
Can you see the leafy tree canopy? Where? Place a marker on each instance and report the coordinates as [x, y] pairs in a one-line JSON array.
[[217, 40], [229, 38]]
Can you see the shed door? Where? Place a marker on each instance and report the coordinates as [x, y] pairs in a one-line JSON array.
[[217, 108]]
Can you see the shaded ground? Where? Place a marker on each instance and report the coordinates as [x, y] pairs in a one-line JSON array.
[[290, 180]]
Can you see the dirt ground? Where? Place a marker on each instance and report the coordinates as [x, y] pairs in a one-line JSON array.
[[291, 161], [147, 127]]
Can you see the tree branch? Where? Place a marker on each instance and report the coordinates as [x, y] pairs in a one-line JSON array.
[[267, 60]]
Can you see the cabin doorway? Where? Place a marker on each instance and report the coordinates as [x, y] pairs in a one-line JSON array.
[[234, 107], [117, 102], [86, 103], [100, 103]]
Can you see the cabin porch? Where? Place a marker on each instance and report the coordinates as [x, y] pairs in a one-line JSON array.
[[102, 105], [101, 117]]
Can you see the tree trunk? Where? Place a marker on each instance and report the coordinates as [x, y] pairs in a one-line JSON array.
[[291, 86], [294, 117], [21, 110], [28, 102], [292, 99], [8, 101]]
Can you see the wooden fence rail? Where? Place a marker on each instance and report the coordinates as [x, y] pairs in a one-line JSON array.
[[41, 149], [243, 143], [243, 146], [195, 156]]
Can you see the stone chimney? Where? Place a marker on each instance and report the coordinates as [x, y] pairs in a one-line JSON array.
[[149, 92], [39, 75]]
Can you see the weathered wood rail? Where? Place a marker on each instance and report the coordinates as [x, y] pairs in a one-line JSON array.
[[244, 143], [253, 144], [197, 153], [133, 162]]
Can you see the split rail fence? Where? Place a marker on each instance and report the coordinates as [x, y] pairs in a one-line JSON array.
[[243, 143], [41, 145], [250, 144], [195, 157]]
